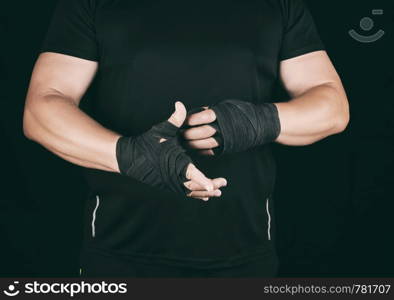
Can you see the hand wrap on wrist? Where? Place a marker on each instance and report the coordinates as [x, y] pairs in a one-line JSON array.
[[161, 165], [242, 125]]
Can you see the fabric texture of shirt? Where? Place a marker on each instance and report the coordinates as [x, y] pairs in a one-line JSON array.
[[152, 53]]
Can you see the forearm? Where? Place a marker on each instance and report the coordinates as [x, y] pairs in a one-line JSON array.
[[56, 122], [318, 113]]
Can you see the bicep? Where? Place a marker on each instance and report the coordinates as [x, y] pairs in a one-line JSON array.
[[61, 74], [305, 72]]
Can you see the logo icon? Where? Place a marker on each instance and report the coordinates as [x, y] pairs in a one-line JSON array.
[[12, 291], [367, 24]]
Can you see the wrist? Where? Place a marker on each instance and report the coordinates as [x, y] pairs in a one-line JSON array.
[[271, 117], [244, 125]]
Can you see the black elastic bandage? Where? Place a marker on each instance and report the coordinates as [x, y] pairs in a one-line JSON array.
[[243, 125], [161, 165]]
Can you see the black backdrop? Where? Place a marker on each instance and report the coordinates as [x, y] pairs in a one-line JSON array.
[[334, 200]]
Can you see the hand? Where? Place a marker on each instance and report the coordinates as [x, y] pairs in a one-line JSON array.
[[156, 158], [232, 126], [201, 136], [200, 186], [198, 192]]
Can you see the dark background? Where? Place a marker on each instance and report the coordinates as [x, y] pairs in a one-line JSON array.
[[334, 200]]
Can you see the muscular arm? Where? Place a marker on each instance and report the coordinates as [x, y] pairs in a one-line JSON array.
[[319, 106], [53, 119]]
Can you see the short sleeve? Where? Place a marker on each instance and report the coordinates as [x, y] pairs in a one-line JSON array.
[[300, 34], [72, 30]]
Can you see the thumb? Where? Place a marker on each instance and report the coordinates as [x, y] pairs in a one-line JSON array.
[[179, 116]]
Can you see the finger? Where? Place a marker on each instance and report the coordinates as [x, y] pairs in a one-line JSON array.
[[179, 116], [199, 133], [217, 184], [196, 175], [203, 199], [207, 152], [201, 118], [195, 110], [203, 144], [205, 194]]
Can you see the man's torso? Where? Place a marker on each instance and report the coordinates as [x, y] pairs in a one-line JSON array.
[[153, 53]]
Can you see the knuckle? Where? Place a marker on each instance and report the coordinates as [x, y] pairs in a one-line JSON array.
[[212, 115], [213, 143], [193, 144], [186, 133], [200, 131], [210, 129], [207, 116], [195, 133]]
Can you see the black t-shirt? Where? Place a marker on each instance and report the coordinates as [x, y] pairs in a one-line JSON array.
[[152, 53]]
